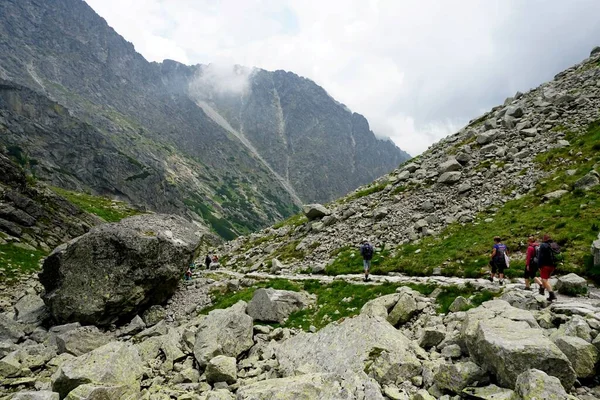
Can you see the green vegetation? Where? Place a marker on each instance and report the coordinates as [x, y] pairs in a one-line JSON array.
[[573, 291], [335, 301], [367, 191], [107, 209], [15, 261], [289, 252], [450, 293], [294, 220], [220, 225], [463, 249], [349, 261]]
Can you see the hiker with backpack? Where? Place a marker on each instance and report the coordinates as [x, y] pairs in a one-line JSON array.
[[531, 263], [366, 251], [547, 260], [498, 263], [207, 261]]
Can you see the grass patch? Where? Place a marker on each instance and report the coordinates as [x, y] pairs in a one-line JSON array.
[[573, 291], [367, 191], [450, 293], [294, 220], [349, 261], [15, 261], [107, 209], [289, 252], [335, 301]]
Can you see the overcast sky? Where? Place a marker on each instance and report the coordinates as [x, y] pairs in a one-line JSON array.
[[417, 69]]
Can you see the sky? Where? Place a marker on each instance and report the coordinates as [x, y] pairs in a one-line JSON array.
[[417, 69]]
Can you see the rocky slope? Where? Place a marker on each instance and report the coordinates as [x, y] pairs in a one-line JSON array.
[[238, 160], [33, 219], [526, 167]]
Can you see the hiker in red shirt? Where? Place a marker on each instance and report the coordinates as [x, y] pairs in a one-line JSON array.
[[531, 264]]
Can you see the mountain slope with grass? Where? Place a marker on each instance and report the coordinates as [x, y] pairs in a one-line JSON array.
[[527, 167]]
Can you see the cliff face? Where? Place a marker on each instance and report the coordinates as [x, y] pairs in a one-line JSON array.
[[239, 159]]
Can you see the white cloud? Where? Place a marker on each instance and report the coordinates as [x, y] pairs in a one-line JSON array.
[[417, 69]]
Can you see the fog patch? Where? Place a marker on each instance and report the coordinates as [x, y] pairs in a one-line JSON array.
[[220, 80]]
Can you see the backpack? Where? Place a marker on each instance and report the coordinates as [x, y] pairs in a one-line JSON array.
[[535, 260], [555, 254], [367, 251], [551, 254]]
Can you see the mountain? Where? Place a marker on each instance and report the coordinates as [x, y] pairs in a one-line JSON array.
[[175, 138], [528, 167]]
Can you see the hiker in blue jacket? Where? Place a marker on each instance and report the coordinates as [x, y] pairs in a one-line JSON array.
[[366, 251], [498, 261]]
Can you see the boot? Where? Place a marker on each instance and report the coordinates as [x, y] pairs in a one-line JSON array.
[[541, 290], [551, 296]]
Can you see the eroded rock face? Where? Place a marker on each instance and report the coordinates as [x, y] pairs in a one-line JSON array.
[[362, 343], [127, 266], [224, 332], [507, 341]]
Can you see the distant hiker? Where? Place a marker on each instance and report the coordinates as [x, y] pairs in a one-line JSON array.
[[188, 274], [215, 261], [498, 261], [531, 263], [547, 261], [366, 251], [207, 261]]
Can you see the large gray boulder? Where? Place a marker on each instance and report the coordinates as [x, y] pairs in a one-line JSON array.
[[450, 177], [487, 137], [81, 340], [507, 341], [534, 384], [225, 332], [115, 270], [583, 355], [406, 307], [221, 369], [571, 284], [313, 386], [115, 364], [358, 344], [449, 166], [456, 377], [590, 180], [10, 330], [315, 211], [41, 395], [270, 305]]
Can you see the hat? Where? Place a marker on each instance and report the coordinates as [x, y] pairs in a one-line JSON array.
[[365, 240], [497, 238]]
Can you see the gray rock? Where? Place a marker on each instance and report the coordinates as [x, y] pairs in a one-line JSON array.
[[487, 137], [491, 392], [41, 395], [583, 355], [531, 132], [221, 369], [515, 111], [449, 177], [595, 50], [81, 340], [590, 180], [270, 305], [135, 326], [422, 394], [31, 309], [380, 306], [534, 384], [387, 356], [571, 283], [100, 392], [459, 304], [595, 249], [315, 211], [276, 266], [555, 195], [411, 167], [507, 341], [463, 158], [114, 364], [464, 187], [10, 330], [154, 315], [452, 351], [318, 269], [132, 264], [431, 337], [313, 386], [449, 166], [456, 377], [404, 310], [402, 176], [224, 332], [10, 365]]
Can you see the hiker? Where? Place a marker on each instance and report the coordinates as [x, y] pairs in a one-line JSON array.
[[531, 263], [498, 261], [215, 261], [188, 274], [547, 262], [207, 261], [366, 251]]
